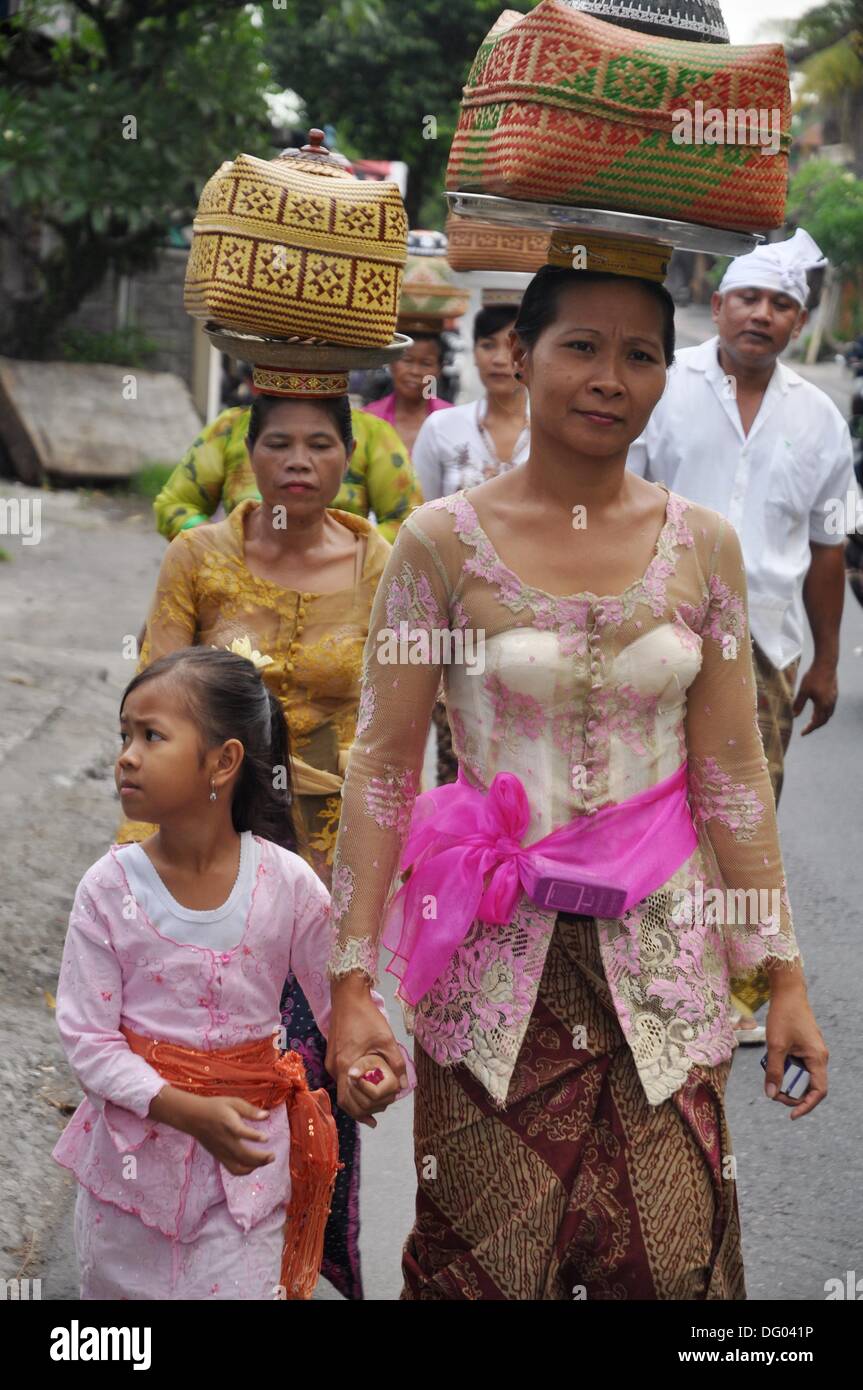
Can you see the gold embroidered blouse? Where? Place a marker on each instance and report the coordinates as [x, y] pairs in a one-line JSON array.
[[205, 593]]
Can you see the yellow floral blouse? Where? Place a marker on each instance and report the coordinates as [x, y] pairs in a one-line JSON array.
[[205, 594], [217, 469]]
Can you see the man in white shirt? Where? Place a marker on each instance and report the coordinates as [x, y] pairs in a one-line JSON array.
[[740, 432]]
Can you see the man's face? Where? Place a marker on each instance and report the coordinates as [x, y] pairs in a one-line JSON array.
[[756, 325]]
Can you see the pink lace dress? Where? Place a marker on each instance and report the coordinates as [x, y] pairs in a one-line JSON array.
[[588, 700]]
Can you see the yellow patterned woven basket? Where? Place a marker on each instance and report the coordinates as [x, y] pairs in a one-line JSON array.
[[298, 246]]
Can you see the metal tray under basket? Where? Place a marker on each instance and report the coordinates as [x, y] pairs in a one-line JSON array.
[[685, 236], [302, 354]]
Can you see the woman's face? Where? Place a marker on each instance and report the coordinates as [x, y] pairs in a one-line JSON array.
[[598, 370], [415, 374], [493, 359], [299, 459]]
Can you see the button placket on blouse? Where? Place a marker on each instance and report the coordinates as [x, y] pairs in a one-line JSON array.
[[594, 648], [294, 645]]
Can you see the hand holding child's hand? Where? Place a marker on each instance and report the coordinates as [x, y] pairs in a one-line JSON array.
[[375, 1081], [217, 1124]]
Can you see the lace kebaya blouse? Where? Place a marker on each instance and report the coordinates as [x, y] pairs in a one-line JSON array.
[[588, 700]]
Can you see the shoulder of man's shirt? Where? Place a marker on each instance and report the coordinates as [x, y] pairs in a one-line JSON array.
[[814, 397]]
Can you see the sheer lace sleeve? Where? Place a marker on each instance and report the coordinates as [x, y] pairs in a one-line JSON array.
[[401, 672], [730, 789], [173, 617]]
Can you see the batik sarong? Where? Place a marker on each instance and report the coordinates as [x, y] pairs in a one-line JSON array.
[[776, 691], [577, 1188]]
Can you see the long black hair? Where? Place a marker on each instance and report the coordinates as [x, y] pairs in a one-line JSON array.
[[542, 296], [338, 408], [225, 696]]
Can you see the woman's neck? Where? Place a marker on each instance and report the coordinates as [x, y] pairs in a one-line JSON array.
[[410, 410], [196, 843], [298, 536], [562, 479], [500, 409]]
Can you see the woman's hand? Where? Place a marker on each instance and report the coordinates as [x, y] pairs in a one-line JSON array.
[[216, 1122], [360, 1040], [791, 1029]]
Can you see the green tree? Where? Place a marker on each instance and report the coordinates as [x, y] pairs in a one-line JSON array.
[[392, 86], [826, 47], [112, 116], [828, 202]]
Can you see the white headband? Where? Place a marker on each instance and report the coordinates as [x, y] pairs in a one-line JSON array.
[[781, 267]]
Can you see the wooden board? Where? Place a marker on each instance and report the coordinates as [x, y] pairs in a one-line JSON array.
[[76, 420]]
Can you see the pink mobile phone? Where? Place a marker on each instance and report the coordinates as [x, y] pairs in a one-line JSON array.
[[548, 885]]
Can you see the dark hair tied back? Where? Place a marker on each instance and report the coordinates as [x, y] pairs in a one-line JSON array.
[[225, 696], [338, 408]]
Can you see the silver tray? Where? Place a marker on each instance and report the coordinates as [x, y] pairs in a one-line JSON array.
[[687, 236], [302, 354]]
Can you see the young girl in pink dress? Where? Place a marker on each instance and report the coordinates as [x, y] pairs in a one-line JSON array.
[[168, 1007]]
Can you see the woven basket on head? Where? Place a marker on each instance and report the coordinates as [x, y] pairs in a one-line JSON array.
[[296, 246], [478, 245], [562, 107], [429, 297]]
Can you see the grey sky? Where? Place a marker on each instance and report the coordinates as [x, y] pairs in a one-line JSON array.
[[753, 21]]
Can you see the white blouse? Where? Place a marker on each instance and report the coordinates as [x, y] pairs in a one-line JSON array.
[[454, 450]]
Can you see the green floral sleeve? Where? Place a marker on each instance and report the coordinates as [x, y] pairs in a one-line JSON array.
[[215, 469], [382, 468]]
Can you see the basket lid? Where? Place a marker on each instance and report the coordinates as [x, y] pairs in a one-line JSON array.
[[316, 158], [699, 21]]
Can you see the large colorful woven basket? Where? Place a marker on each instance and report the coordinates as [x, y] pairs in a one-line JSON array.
[[297, 246], [478, 245], [563, 107]]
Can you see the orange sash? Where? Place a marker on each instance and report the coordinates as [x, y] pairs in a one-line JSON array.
[[257, 1073]]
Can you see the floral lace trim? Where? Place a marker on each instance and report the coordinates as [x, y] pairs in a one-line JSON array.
[[466, 749], [411, 599], [518, 715], [714, 796], [366, 707], [357, 953], [389, 799], [568, 616], [341, 891]]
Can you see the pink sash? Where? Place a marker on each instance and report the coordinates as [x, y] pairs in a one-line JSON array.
[[459, 837]]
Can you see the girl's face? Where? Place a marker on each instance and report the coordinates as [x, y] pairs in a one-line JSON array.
[[413, 373], [160, 773], [493, 360], [596, 373], [299, 459]]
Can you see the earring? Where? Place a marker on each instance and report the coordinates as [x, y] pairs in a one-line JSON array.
[[212, 789], [518, 376]]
